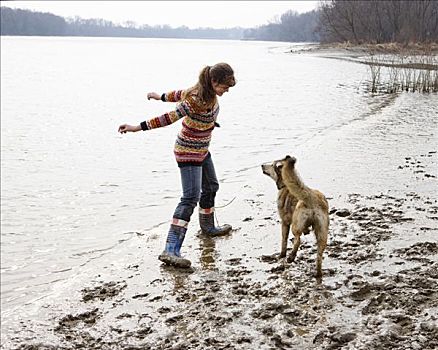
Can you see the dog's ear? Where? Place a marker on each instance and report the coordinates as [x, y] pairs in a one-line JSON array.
[[291, 160]]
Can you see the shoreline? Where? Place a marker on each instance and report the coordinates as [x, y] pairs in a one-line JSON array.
[[368, 297], [357, 53], [387, 48], [377, 290]]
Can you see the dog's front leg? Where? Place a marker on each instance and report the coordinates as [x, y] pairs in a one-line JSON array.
[[284, 236]]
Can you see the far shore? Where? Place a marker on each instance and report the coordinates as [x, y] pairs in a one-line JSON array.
[[385, 48], [353, 52]]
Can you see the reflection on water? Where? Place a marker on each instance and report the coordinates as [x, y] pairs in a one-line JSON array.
[[208, 253], [179, 278]]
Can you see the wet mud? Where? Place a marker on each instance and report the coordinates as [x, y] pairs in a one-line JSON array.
[[378, 290]]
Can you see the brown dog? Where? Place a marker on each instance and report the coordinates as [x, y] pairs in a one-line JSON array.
[[300, 207]]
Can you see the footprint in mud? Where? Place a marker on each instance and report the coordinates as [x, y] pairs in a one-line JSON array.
[[143, 332], [269, 310], [237, 272], [104, 291], [176, 271], [233, 261], [278, 269], [363, 293], [410, 291], [416, 166], [418, 250], [330, 338], [340, 212], [140, 296], [70, 321], [273, 258], [374, 224]]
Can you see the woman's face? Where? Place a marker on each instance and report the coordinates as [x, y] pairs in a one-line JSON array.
[[219, 89]]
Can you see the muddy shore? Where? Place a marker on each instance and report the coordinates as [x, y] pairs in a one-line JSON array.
[[361, 53], [388, 48], [376, 293]]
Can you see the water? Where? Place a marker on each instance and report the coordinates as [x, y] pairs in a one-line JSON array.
[[73, 189]]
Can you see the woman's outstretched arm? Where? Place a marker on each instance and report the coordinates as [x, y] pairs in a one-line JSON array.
[[182, 109], [124, 128]]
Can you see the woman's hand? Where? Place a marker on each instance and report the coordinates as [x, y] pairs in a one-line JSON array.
[[154, 96], [124, 128]]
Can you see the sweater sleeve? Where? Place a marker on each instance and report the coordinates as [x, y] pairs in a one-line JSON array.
[[172, 96], [182, 110]]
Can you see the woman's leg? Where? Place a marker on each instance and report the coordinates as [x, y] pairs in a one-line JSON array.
[[191, 187], [210, 186]]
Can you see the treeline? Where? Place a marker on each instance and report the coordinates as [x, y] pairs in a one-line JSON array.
[[371, 21], [290, 26], [24, 22], [103, 28], [377, 21]]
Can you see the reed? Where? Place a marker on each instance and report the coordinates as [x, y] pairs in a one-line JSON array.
[[375, 74], [398, 71]]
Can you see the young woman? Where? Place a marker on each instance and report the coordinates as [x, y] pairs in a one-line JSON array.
[[198, 107]]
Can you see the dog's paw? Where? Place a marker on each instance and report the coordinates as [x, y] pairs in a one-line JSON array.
[[291, 258], [318, 274], [269, 258]]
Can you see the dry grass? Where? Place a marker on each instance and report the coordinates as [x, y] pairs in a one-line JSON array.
[[387, 48], [394, 68]]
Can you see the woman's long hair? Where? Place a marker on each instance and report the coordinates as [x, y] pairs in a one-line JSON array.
[[220, 73]]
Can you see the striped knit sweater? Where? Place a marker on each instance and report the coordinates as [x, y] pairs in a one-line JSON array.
[[191, 146]]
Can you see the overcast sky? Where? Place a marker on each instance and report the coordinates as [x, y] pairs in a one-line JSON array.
[[193, 14]]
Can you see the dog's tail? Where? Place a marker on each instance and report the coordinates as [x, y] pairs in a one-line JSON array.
[[294, 183]]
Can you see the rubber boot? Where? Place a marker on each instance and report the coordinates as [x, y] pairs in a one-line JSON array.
[[206, 221], [171, 254]]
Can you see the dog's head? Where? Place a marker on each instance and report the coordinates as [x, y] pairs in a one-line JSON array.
[[273, 170]]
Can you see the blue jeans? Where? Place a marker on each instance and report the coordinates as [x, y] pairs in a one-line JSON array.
[[199, 184]]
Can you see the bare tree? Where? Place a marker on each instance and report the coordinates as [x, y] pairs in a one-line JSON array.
[[378, 21]]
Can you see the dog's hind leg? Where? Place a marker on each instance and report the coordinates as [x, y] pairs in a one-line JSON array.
[[299, 225], [297, 241], [284, 236], [321, 240]]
